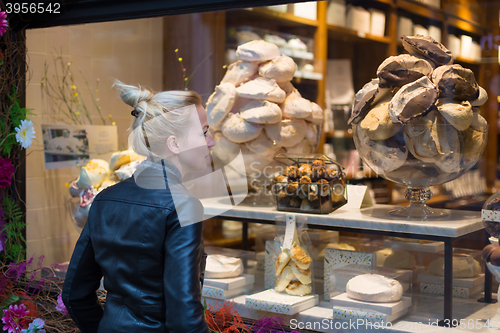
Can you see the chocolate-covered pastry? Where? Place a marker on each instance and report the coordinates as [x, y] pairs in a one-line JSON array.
[[488, 250], [292, 172], [312, 197], [304, 181], [399, 70], [280, 179], [318, 163], [291, 188], [429, 48], [363, 101], [324, 187], [318, 172], [413, 100], [305, 170], [456, 82], [332, 174], [295, 202], [283, 198]]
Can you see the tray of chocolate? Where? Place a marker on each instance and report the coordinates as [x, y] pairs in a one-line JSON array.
[[311, 183]]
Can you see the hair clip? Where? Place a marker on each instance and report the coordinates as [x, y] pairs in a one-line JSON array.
[[135, 113]]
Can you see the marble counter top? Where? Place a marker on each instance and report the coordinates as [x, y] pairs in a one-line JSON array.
[[456, 224]]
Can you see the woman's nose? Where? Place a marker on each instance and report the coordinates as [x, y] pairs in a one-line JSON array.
[[210, 141]]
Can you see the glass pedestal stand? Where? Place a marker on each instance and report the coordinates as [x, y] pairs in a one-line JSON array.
[[417, 208], [494, 322]]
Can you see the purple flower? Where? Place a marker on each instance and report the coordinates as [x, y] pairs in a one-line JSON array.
[[35, 327], [267, 324], [14, 318], [6, 169], [2, 234], [3, 23], [16, 270], [60, 306]]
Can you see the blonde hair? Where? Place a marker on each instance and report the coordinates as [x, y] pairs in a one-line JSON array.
[[149, 106]]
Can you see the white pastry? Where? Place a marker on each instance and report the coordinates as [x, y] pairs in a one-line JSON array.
[[262, 145], [126, 170], [298, 289], [457, 114], [287, 87], [312, 132], [123, 157], [282, 261], [478, 122], [483, 97], [303, 275], [275, 39], [463, 267], [300, 257], [284, 279], [262, 88], [106, 183], [92, 174], [288, 132], [219, 104], [400, 259], [240, 72], [261, 112], [224, 149], [316, 116], [296, 107], [257, 50], [374, 288], [297, 44], [236, 129], [220, 267], [281, 69]]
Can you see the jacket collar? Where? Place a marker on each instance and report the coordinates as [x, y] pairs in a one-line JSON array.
[[157, 170]]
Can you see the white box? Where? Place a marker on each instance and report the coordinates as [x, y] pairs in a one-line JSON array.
[[454, 45], [377, 22], [466, 46], [457, 282], [405, 26], [230, 283], [459, 292], [341, 313], [433, 247], [435, 32], [335, 259], [218, 293], [420, 30], [306, 10], [272, 301], [358, 19], [336, 13], [392, 308]]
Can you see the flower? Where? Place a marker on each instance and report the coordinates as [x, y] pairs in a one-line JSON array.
[[60, 306], [25, 133], [6, 171], [36, 326], [14, 318], [3, 23], [3, 238]]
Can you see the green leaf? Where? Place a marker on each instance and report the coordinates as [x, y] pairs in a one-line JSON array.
[[10, 300]]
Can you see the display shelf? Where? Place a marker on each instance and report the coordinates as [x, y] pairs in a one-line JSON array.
[[339, 134], [467, 61], [308, 75], [255, 14], [421, 9], [349, 35], [467, 26]]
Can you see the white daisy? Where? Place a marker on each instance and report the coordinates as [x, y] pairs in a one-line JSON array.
[[25, 133]]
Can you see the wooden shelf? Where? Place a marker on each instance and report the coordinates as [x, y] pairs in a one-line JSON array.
[[349, 35], [468, 26], [467, 61], [255, 14], [420, 9]]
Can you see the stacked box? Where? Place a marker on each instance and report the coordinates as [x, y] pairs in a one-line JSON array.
[[224, 289]]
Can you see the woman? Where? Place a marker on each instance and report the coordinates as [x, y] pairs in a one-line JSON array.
[[142, 234]]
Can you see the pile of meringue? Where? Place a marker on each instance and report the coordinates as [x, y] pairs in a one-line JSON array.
[[423, 109], [96, 175], [257, 110]]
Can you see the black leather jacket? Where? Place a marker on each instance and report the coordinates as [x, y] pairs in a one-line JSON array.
[[152, 266]]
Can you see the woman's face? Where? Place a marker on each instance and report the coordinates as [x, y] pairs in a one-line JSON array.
[[195, 148]]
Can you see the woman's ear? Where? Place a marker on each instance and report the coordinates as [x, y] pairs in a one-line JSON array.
[[172, 145]]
